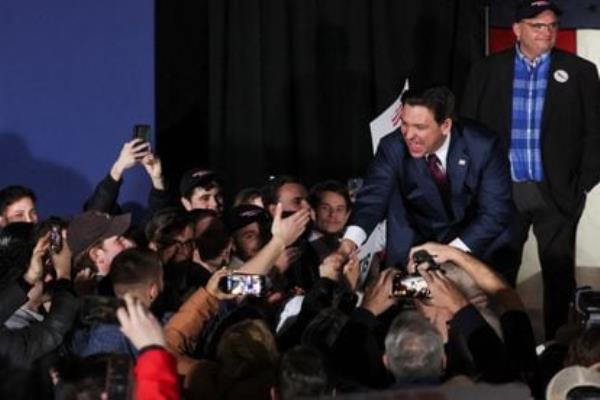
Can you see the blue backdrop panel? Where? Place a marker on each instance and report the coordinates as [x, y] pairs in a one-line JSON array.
[[74, 77]]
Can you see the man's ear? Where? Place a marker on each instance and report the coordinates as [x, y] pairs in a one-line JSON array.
[[446, 126], [186, 203], [152, 246], [153, 292], [95, 254], [386, 361], [271, 208], [516, 28], [2, 222]]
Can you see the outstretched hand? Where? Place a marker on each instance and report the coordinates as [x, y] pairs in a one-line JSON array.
[[378, 296], [444, 292], [131, 152], [290, 228], [35, 272], [153, 167]]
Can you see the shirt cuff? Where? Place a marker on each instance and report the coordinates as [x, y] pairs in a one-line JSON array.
[[356, 234], [459, 244]]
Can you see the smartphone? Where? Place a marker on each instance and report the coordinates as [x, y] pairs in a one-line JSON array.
[[141, 131], [244, 284], [410, 286], [119, 377], [56, 243]]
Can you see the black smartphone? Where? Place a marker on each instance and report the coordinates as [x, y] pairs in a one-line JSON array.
[[119, 377], [141, 131], [244, 284]]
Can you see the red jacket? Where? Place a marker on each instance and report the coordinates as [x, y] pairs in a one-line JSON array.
[[156, 375]]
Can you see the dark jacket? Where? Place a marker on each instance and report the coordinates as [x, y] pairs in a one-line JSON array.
[[570, 131], [21, 348]]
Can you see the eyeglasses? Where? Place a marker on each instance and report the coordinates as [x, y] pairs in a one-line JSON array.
[[539, 26], [179, 243]]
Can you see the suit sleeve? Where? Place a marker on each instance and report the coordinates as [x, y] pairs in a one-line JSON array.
[[589, 87], [493, 199], [380, 182]]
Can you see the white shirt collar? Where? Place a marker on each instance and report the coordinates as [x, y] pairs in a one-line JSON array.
[[442, 152]]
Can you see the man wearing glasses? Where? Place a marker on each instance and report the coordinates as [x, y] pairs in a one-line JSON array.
[[546, 105]]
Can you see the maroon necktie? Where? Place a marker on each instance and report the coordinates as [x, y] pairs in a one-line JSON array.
[[435, 169], [439, 177]]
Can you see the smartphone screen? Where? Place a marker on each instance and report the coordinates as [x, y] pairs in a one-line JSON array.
[[243, 284]]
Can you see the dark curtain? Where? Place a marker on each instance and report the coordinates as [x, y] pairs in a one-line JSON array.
[[253, 88]]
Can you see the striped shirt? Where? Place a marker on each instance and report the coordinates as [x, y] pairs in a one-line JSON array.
[[529, 90]]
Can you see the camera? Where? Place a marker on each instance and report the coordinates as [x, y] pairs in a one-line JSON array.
[[244, 284], [414, 285], [587, 305]]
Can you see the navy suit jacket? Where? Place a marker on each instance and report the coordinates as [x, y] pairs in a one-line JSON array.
[[399, 188]]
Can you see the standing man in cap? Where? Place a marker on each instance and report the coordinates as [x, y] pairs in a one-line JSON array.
[[545, 104]]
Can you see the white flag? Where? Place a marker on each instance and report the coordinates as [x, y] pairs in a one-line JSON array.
[[388, 121]]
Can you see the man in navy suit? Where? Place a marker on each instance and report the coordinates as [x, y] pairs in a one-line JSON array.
[[435, 180]]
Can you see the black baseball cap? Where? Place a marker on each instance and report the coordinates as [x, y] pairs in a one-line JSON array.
[[531, 8], [197, 177], [245, 214]]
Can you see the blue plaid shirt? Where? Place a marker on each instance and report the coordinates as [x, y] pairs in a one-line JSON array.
[[529, 90]]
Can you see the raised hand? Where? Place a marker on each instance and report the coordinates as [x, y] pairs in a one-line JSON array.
[[131, 152]]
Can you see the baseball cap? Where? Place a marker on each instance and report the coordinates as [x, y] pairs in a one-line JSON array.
[[573, 379], [529, 8], [245, 214], [197, 177], [92, 226]]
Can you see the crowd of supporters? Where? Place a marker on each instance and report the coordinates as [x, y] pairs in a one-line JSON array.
[[96, 306]]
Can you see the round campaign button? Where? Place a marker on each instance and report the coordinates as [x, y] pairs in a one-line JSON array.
[[561, 75]]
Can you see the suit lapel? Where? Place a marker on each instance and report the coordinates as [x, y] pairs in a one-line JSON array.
[[457, 166], [506, 74], [551, 90], [426, 184]]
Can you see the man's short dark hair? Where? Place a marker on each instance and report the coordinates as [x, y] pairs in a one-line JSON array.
[[317, 191], [165, 224], [438, 99], [302, 374], [12, 194], [585, 349], [270, 192], [133, 267], [198, 178], [16, 247], [246, 196], [213, 240]]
